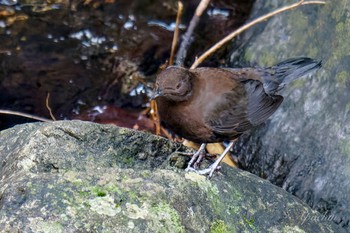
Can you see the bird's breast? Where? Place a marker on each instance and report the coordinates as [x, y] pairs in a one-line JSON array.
[[184, 119]]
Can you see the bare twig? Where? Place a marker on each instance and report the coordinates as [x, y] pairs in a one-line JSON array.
[[165, 133], [176, 32], [48, 106], [181, 54], [218, 45], [10, 112], [155, 116]]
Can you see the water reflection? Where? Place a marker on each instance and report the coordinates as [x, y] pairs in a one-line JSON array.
[[88, 52], [8, 2]]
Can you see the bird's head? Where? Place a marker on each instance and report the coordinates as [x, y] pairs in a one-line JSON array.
[[174, 84]]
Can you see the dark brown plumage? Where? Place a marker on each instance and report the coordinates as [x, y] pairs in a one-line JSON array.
[[215, 104]]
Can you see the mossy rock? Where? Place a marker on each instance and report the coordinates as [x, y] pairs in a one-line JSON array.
[[73, 176]]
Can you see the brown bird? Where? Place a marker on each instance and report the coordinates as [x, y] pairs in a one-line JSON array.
[[207, 105]]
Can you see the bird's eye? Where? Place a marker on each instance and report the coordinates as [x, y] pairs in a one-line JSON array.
[[178, 85]]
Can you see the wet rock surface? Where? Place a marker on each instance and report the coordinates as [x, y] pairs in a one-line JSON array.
[[73, 176], [304, 148]]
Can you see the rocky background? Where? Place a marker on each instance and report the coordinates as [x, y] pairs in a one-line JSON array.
[[305, 147]]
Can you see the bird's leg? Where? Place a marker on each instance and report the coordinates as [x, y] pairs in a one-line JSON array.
[[210, 170], [196, 156], [199, 159]]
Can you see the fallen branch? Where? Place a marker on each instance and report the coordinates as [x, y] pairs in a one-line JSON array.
[[218, 45], [48, 106], [10, 112], [181, 54]]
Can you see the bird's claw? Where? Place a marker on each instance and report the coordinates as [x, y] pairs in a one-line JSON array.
[[195, 161], [190, 169], [210, 170], [196, 158]]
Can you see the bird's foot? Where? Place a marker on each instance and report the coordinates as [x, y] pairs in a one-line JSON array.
[[207, 171], [212, 168], [196, 158]]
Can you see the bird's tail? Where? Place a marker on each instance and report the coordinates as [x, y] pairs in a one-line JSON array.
[[279, 75]]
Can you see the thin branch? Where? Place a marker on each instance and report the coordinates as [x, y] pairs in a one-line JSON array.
[[165, 133], [155, 116], [48, 106], [314, 2], [181, 54], [218, 45], [10, 112], [176, 32]]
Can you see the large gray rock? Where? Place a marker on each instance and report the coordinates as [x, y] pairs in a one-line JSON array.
[[74, 176], [305, 147]]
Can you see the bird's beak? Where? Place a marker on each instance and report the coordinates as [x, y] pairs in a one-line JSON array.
[[156, 94]]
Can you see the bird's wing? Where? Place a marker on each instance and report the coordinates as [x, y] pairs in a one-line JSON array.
[[242, 108]]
